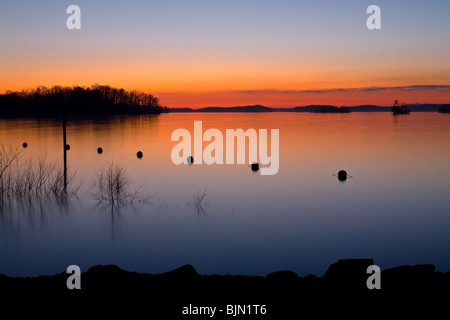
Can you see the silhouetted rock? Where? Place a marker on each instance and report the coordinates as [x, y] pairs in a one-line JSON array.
[[403, 277], [284, 275], [342, 292], [187, 271], [349, 273], [105, 269]]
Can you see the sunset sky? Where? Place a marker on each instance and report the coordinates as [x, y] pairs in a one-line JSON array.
[[226, 53]]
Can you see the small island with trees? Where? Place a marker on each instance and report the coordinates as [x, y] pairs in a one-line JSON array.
[[94, 100]]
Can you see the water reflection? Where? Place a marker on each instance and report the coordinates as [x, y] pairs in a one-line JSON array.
[[200, 201], [301, 219], [20, 214], [32, 191]]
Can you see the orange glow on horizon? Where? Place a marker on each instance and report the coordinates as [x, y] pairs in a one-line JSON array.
[[274, 99], [213, 58], [203, 84]]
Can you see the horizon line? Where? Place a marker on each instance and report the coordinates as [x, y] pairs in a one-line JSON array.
[[288, 98]]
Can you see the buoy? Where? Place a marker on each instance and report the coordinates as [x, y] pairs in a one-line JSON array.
[[99, 150], [255, 166], [190, 159], [67, 146], [140, 154], [24, 145], [342, 175]]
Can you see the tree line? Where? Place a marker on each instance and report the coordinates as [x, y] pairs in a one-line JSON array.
[[96, 99]]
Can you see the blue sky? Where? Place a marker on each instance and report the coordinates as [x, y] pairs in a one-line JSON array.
[[172, 46]]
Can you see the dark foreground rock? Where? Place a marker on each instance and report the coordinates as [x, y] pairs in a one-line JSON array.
[[109, 291]]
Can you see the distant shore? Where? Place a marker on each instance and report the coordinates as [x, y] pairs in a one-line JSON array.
[[317, 109], [104, 100], [97, 100]]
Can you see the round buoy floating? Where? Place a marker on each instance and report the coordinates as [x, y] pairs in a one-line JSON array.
[[342, 175], [67, 146], [99, 150], [24, 145], [190, 160], [140, 154], [255, 166]]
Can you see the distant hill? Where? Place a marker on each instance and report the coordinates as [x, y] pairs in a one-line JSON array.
[[423, 107], [322, 109], [445, 108], [370, 108], [254, 108], [182, 110], [317, 108]]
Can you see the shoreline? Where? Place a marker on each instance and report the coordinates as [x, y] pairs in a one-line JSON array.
[[350, 262], [342, 289]]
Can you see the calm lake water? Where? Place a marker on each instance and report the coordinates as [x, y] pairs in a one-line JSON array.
[[395, 208]]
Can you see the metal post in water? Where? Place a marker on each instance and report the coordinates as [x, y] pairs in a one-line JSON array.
[[64, 146]]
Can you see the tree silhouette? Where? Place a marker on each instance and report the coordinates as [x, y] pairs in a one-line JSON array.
[[97, 99]]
